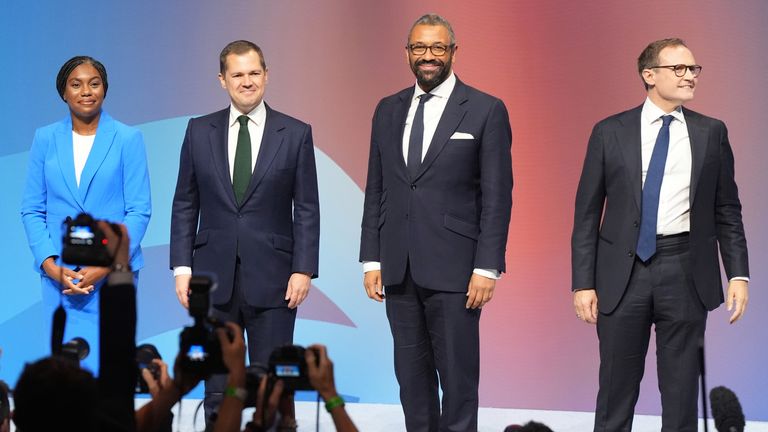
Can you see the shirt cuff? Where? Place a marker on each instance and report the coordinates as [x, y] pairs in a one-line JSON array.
[[371, 266], [182, 270], [741, 278], [489, 273]]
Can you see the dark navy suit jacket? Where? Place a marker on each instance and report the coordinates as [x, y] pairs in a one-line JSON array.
[[454, 215], [274, 232], [610, 190]]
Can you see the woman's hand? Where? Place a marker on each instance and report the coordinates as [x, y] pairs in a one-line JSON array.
[[90, 276], [64, 276]]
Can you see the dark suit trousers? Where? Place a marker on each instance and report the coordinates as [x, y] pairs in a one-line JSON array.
[[435, 334], [660, 293], [265, 330]]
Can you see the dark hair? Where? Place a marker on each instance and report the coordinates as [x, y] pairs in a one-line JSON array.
[[44, 397], [432, 19], [5, 408], [71, 64], [239, 47], [531, 426], [650, 55]]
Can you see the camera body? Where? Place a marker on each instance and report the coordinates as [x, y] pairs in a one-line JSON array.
[[199, 343], [84, 243], [288, 363], [145, 353]]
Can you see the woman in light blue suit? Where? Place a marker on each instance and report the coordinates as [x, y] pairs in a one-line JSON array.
[[85, 163]]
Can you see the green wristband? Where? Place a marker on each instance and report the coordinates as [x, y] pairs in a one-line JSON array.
[[333, 403], [237, 393]]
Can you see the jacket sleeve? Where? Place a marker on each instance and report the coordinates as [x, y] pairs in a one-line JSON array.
[[306, 210], [590, 199], [186, 207], [496, 189], [369, 236], [136, 190], [34, 204]]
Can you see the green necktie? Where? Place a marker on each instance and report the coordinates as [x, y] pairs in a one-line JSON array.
[[241, 175]]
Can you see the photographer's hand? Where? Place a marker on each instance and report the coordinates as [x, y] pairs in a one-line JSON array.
[[117, 246], [233, 351], [157, 385], [320, 371], [233, 356], [156, 414], [298, 289], [267, 404]]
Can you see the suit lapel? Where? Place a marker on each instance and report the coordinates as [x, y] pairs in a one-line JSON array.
[[399, 116], [66, 158], [697, 135], [105, 135], [449, 122], [630, 142], [218, 136], [271, 141]]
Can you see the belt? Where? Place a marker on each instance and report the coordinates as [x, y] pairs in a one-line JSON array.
[[671, 236]]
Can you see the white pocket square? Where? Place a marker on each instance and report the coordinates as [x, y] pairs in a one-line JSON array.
[[462, 135]]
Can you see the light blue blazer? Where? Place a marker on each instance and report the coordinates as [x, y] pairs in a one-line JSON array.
[[114, 185]]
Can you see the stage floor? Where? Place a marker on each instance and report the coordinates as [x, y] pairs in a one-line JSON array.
[[389, 418]]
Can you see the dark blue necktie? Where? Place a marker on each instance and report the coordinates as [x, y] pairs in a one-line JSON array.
[[415, 141], [646, 242]]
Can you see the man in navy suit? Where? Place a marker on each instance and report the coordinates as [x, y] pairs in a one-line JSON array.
[[246, 209], [657, 197], [437, 206]]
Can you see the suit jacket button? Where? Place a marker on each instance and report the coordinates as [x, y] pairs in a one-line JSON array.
[[239, 216], [630, 254], [413, 186], [635, 224]]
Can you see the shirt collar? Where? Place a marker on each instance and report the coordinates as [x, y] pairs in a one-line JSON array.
[[652, 113], [257, 115], [443, 90]]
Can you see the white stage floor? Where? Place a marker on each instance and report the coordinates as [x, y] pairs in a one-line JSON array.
[[389, 418]]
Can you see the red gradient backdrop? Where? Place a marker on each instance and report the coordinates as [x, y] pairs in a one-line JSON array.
[[559, 65]]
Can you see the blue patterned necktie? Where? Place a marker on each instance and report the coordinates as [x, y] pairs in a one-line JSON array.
[[646, 242], [416, 139]]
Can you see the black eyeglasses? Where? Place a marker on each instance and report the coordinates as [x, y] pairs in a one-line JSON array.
[[437, 50], [681, 69]]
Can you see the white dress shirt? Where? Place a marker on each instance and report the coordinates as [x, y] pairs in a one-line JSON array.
[[674, 198], [433, 111], [674, 214], [81, 148], [256, 121]]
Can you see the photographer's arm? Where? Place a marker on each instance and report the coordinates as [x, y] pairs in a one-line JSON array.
[[156, 414], [233, 355], [320, 369], [117, 338]]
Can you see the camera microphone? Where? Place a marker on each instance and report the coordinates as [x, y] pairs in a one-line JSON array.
[[76, 349], [726, 410]]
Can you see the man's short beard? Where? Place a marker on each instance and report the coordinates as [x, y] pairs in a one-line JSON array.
[[436, 80]]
